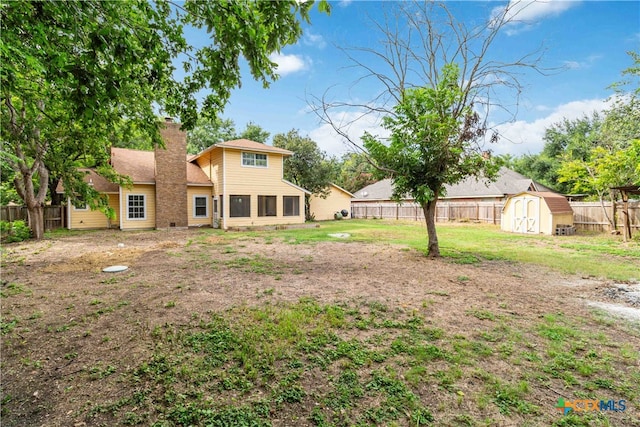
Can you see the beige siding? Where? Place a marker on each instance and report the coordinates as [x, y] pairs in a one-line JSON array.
[[193, 191], [544, 217], [81, 219], [150, 207], [323, 209], [114, 203], [87, 219], [255, 181]]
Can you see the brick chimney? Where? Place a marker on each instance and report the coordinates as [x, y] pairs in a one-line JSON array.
[[171, 177]]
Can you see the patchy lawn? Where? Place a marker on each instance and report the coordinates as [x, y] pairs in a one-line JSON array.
[[295, 328]]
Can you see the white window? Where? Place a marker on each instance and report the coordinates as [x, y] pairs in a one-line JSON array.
[[254, 159], [136, 206], [200, 206]]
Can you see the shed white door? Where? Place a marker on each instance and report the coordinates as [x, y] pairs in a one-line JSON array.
[[526, 214]]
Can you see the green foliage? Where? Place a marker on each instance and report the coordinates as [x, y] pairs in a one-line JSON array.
[[16, 231], [308, 167], [433, 143], [253, 132], [354, 172], [73, 71]]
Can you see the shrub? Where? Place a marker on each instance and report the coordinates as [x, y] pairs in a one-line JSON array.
[[15, 231]]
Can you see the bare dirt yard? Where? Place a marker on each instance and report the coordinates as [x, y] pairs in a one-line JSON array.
[[72, 333]]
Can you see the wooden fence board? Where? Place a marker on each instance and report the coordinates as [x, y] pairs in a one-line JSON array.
[[53, 215], [587, 216]]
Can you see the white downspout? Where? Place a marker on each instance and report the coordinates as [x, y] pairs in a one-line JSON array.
[[224, 189], [120, 207], [68, 213]]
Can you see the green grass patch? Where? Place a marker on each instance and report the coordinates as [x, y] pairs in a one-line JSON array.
[[309, 363], [589, 255]]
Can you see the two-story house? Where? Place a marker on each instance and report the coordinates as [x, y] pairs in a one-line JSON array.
[[231, 184]]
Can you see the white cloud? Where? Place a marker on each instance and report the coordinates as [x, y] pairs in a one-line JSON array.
[[288, 64], [521, 137], [524, 14], [314, 40], [579, 65], [355, 124]]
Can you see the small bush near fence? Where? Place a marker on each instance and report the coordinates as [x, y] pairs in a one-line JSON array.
[[15, 231]]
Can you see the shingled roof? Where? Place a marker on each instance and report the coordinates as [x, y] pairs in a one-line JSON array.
[[508, 182], [139, 165], [244, 144]]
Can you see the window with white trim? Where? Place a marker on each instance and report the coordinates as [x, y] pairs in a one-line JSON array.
[[200, 206], [254, 159], [291, 205], [267, 205], [136, 206]]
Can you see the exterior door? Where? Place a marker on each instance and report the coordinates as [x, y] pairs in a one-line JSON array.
[[216, 215], [526, 213]]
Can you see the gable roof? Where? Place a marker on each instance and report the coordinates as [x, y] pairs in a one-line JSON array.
[[341, 189], [507, 182], [98, 182], [139, 165], [557, 203], [244, 144]]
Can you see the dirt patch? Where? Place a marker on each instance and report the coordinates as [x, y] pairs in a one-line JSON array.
[[73, 323]]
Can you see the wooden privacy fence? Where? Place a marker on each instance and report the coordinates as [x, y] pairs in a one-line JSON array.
[[53, 215], [587, 216]]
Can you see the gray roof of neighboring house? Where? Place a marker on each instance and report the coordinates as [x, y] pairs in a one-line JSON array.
[[507, 182]]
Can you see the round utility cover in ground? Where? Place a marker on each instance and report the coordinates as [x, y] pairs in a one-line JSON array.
[[340, 235], [115, 268]]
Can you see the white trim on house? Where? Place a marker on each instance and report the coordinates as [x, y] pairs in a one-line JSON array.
[[120, 216], [206, 206], [296, 187], [255, 160], [224, 190], [144, 207]]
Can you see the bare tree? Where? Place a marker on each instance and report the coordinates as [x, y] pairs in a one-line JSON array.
[[419, 40]]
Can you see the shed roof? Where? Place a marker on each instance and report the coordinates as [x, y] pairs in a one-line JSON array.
[[556, 203]]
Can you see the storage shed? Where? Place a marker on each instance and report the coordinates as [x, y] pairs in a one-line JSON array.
[[537, 213]]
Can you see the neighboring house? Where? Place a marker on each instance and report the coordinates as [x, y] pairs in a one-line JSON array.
[[231, 184], [472, 199], [536, 212], [470, 189], [337, 200]]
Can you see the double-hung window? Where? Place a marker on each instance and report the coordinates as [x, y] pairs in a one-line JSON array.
[[136, 207], [200, 207], [254, 159]]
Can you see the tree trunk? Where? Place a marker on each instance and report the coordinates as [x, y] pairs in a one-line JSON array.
[[36, 221], [56, 199], [429, 210]]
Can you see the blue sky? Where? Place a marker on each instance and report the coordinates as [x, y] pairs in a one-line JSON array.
[[588, 39]]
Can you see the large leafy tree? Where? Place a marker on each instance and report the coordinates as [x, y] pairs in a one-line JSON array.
[[308, 167], [72, 71], [208, 132], [414, 66], [255, 133], [354, 171], [431, 146], [565, 140]]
